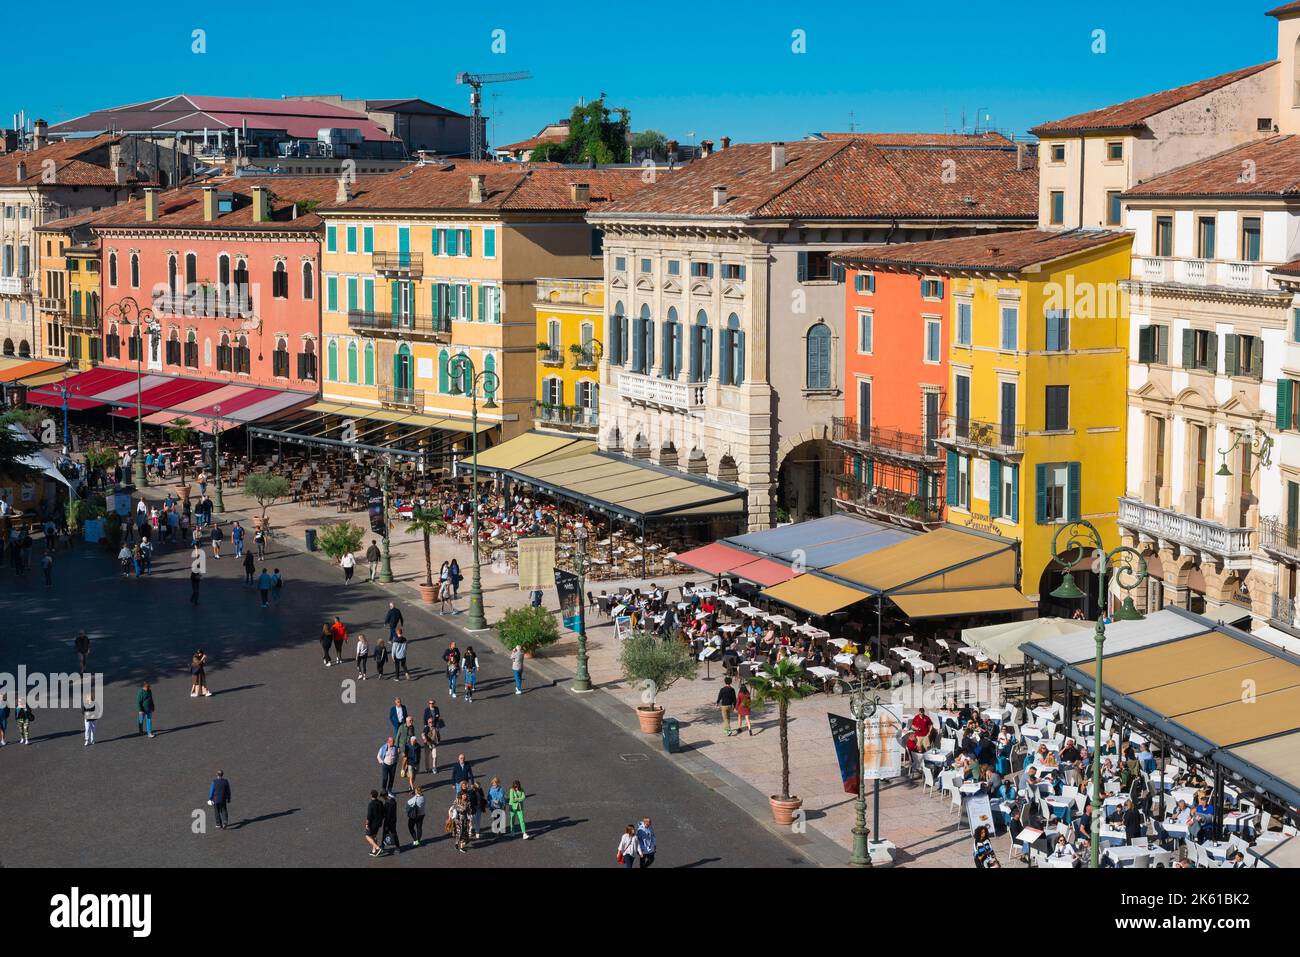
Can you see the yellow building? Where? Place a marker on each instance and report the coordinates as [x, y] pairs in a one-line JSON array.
[[68, 301], [440, 260], [1035, 428], [569, 313]]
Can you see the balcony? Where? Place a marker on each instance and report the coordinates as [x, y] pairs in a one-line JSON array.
[[1229, 545], [379, 322], [1202, 272], [15, 285], [1152, 269], [392, 397], [1007, 438], [891, 443], [55, 305], [550, 357], [661, 393], [890, 505], [573, 418], [202, 305], [405, 265], [77, 320], [1276, 536], [1194, 272], [1284, 610]]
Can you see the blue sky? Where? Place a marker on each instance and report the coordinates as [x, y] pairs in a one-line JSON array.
[[710, 68]]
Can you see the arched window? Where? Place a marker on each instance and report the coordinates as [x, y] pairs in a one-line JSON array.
[[466, 374], [308, 281], [191, 272], [554, 338], [732, 352], [112, 269], [332, 361], [9, 343], [171, 276], [701, 348], [243, 357], [280, 282], [24, 349], [444, 372], [223, 279], [643, 342], [671, 363], [489, 389], [307, 361], [172, 352], [352, 362], [280, 359], [135, 270], [112, 344], [818, 357], [368, 366], [242, 300], [402, 377], [192, 350], [618, 336]]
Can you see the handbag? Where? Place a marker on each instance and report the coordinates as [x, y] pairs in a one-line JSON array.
[[446, 826], [619, 859]]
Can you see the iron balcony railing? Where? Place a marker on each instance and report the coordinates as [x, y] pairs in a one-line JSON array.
[[405, 263], [848, 432], [878, 500], [202, 305], [566, 416], [1284, 610], [398, 398], [1278, 536], [367, 321], [966, 432]]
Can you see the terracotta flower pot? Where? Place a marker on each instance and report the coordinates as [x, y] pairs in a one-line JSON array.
[[183, 488], [783, 811], [428, 593], [530, 652], [651, 718]]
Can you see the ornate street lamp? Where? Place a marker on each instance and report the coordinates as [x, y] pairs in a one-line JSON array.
[[385, 564], [218, 505], [862, 707], [465, 379], [582, 680], [128, 312], [1259, 443], [1130, 571]]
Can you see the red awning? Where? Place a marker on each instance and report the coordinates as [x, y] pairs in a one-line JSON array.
[[764, 571], [234, 404], [166, 396], [82, 388], [715, 559]]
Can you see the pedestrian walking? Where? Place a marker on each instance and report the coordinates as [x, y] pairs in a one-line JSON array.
[[389, 840], [645, 843], [349, 564], [458, 823], [217, 537], [401, 735], [123, 559], [627, 848], [82, 645], [374, 822], [89, 716], [517, 667], [411, 753], [397, 714], [250, 566], [372, 558], [387, 758], [477, 805], [454, 576], [4, 719], [363, 656], [462, 773], [195, 580], [469, 666], [24, 714], [515, 802], [144, 708], [237, 539], [264, 587], [496, 798], [393, 619], [146, 556], [199, 675], [277, 584], [339, 632], [219, 799], [259, 542], [452, 657], [430, 738], [326, 641], [445, 604], [381, 656], [47, 569], [415, 815], [744, 702], [399, 656], [726, 701]]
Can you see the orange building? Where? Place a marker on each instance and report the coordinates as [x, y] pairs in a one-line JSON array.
[[896, 368]]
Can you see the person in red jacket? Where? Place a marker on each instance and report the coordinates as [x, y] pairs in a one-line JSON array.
[[922, 726], [339, 632]]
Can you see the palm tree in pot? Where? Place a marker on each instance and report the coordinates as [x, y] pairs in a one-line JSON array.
[[181, 435], [780, 684], [427, 522]]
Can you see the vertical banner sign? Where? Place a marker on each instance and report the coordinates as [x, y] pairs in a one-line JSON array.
[[882, 746], [536, 562], [979, 810], [375, 506], [566, 585], [845, 735]]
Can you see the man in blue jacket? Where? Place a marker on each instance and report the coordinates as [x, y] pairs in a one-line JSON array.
[[461, 773], [397, 714], [219, 797], [392, 620]]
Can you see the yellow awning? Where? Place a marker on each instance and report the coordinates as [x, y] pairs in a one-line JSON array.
[[817, 596], [398, 417], [19, 369], [972, 602], [530, 447], [44, 378], [944, 551]]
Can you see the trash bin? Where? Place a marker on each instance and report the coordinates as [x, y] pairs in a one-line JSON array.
[[672, 735], [311, 539]]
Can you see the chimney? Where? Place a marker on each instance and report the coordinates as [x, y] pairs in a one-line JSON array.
[[39, 129], [706, 147], [580, 193], [344, 194], [726, 142], [22, 171], [150, 204], [778, 157], [719, 196], [209, 204], [476, 187], [116, 165], [1022, 156], [261, 204]]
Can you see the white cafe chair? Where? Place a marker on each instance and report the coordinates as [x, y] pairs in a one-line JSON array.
[[928, 775]]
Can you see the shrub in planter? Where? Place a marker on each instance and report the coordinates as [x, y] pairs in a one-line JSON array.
[[654, 665], [528, 628], [339, 538]]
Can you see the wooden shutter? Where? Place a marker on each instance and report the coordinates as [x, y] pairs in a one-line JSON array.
[[638, 344], [802, 270], [1015, 493], [679, 333], [708, 352], [1162, 344], [738, 373], [1072, 492], [1146, 344], [1189, 348], [1292, 510], [1257, 358], [864, 407], [1040, 494], [1232, 344], [1212, 353], [951, 478], [1283, 419], [995, 488]]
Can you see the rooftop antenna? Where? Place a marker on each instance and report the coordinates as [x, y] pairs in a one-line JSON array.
[[852, 126]]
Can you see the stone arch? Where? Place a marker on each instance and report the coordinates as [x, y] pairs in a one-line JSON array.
[[697, 463], [668, 455], [727, 470]]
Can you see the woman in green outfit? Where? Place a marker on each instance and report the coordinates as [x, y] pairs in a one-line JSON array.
[[515, 799]]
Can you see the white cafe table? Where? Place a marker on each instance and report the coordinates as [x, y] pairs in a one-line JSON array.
[[1158, 781], [727, 629], [838, 642], [751, 611], [919, 664], [1237, 820], [934, 757], [968, 650], [971, 787], [876, 668], [1029, 731], [732, 601], [1111, 836], [1183, 794], [812, 632], [821, 673], [778, 619], [905, 652], [995, 714], [1126, 854], [843, 659], [1054, 861], [1047, 714]]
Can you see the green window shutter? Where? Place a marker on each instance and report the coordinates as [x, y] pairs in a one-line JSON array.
[[332, 293], [370, 364], [952, 478], [1162, 345], [1283, 419], [437, 300], [435, 241], [332, 361], [352, 239], [995, 488], [871, 472], [1072, 492], [352, 293], [370, 295], [449, 241], [1146, 344], [1015, 493], [482, 303], [444, 376], [396, 290], [857, 467], [467, 241], [1292, 510], [1040, 494], [368, 239], [1189, 348], [1230, 360], [331, 239], [1212, 352], [489, 243], [1257, 358]]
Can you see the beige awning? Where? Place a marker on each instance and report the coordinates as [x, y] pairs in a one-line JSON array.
[[817, 596], [531, 447], [972, 602], [942, 559]]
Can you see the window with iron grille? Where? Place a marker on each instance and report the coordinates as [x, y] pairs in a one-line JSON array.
[[173, 356], [307, 366], [280, 362], [192, 354]]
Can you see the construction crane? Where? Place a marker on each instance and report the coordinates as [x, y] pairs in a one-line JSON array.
[[475, 81]]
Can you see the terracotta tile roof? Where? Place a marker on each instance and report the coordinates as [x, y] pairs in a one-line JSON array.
[[923, 139], [70, 167], [1133, 113], [183, 207], [1293, 267], [506, 186], [989, 252], [849, 178], [1273, 165], [534, 142], [1285, 10]]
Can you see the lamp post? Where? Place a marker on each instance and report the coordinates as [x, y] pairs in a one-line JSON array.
[[862, 707], [466, 379], [1082, 537], [218, 505], [385, 564], [65, 392], [128, 312], [582, 680]]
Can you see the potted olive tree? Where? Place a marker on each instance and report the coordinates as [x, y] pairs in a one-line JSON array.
[[427, 522], [528, 628], [780, 684], [655, 665], [266, 489]]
